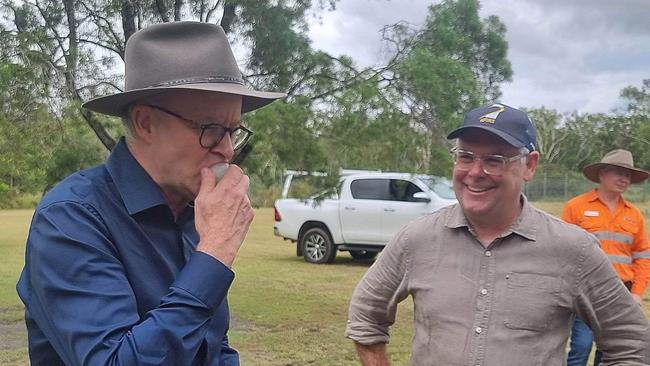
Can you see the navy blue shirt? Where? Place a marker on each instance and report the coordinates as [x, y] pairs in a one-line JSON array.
[[111, 278]]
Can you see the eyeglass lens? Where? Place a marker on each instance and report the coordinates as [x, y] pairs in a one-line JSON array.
[[212, 136], [491, 164]]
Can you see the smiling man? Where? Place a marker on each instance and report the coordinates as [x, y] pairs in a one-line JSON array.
[[620, 228], [129, 262], [494, 281]]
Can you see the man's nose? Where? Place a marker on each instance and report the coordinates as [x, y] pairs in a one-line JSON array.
[[477, 168], [225, 147]]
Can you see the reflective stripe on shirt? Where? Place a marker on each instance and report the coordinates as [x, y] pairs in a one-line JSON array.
[[620, 259], [638, 255], [610, 235]]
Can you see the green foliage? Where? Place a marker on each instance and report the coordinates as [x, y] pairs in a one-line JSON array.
[[393, 117], [39, 151], [454, 63], [638, 115]]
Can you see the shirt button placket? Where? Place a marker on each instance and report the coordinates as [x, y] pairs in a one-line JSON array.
[[484, 307]]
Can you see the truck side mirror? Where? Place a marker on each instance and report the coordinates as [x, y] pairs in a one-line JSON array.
[[421, 197]]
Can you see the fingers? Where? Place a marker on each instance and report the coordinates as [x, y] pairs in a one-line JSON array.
[[223, 214], [233, 175], [208, 181]]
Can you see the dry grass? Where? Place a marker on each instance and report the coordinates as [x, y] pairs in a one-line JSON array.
[[285, 311]]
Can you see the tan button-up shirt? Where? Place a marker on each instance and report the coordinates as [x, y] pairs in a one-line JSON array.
[[511, 303]]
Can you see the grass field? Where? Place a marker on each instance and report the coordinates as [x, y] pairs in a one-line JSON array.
[[285, 311]]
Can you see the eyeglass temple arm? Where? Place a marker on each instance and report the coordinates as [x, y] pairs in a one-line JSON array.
[[242, 154]]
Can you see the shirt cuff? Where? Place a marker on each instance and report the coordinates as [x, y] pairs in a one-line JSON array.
[[206, 278], [366, 334]]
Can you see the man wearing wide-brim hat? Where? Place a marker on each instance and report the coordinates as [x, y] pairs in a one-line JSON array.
[[130, 262], [620, 228]]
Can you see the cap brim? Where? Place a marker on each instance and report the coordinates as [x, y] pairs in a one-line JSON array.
[[591, 172], [504, 136], [117, 104]]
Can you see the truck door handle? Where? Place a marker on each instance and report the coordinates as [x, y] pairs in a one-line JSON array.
[[389, 209], [350, 208]]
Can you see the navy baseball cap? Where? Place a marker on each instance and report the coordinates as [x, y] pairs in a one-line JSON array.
[[510, 124]]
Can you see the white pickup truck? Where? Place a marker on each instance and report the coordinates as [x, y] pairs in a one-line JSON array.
[[361, 215]]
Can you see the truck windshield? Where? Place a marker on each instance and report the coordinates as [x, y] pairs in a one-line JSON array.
[[441, 186]]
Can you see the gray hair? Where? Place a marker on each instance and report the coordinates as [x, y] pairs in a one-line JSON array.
[[127, 122]]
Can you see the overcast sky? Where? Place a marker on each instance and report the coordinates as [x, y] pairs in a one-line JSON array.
[[567, 55]]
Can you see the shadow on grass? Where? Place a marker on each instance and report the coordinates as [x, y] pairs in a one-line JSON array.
[[341, 260]]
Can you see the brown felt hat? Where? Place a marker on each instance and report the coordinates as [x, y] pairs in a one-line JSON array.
[[179, 56], [621, 158]]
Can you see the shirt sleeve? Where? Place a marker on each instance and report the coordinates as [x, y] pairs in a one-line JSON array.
[[81, 299], [229, 356], [640, 258], [568, 214], [374, 302], [620, 328]]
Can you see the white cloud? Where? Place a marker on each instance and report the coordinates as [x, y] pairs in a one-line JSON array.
[[566, 55]]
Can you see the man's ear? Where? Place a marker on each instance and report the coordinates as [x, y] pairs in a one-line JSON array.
[[142, 119], [531, 165]]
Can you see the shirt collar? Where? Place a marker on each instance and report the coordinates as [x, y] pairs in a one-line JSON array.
[[593, 196], [525, 226], [138, 191]]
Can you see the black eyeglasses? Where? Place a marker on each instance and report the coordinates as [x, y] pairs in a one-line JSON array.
[[490, 164], [212, 133]]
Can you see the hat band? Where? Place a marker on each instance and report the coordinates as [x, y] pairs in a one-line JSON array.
[[210, 79]]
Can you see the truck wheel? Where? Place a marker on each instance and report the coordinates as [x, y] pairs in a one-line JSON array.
[[363, 254], [317, 247]]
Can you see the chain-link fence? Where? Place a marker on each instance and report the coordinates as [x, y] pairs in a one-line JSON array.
[[549, 185]]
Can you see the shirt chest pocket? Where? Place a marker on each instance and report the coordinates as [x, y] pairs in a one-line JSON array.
[[592, 223], [628, 226], [531, 300]]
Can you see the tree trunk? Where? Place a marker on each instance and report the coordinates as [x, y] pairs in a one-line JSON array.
[[107, 140]]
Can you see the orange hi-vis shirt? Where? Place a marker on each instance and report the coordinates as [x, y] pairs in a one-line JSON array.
[[622, 234]]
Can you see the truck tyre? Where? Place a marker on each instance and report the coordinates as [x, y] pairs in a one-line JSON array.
[[363, 254], [317, 246]]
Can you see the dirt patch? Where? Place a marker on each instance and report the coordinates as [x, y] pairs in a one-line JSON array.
[[13, 335], [241, 324]]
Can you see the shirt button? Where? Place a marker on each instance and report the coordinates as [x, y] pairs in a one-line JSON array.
[[478, 330], [484, 291], [488, 253]]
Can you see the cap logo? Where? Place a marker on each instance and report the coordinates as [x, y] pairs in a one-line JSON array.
[[492, 116]]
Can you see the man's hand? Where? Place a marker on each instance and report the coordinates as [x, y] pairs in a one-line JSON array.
[[638, 299], [372, 355], [222, 214]]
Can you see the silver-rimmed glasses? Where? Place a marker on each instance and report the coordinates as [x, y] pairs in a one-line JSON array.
[[491, 164]]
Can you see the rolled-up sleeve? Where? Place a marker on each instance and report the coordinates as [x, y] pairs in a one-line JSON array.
[[79, 295], [620, 328], [374, 302]]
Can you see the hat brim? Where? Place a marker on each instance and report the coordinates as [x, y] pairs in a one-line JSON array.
[[504, 136], [591, 172], [117, 104]]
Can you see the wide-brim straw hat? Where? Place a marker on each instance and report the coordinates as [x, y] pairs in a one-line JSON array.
[[179, 56], [621, 158]]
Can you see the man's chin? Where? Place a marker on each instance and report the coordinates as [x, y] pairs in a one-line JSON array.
[[473, 208]]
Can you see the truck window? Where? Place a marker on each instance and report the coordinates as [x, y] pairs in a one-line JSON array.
[[370, 189], [402, 190], [441, 186]]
